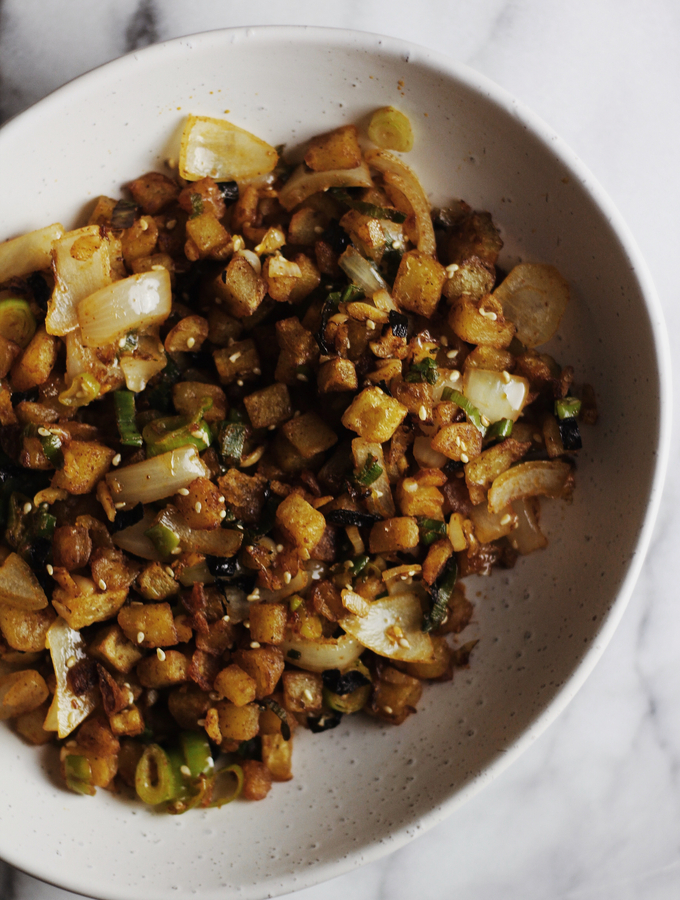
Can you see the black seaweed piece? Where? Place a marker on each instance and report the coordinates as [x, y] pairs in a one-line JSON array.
[[570, 434], [124, 214], [336, 236], [317, 724], [229, 190], [453, 466], [31, 396], [202, 359], [278, 710], [39, 289], [251, 749], [127, 517], [398, 324], [440, 594], [38, 554], [341, 684], [245, 582], [221, 566], [351, 517]]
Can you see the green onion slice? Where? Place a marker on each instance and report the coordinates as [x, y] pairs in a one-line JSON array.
[[423, 371], [227, 785], [173, 432], [278, 710], [83, 390], [156, 776], [368, 209], [124, 402], [197, 755], [470, 411], [78, 774], [501, 429], [430, 530], [164, 539], [567, 408], [17, 322], [369, 472], [441, 592]]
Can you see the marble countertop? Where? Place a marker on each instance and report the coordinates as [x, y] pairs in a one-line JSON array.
[[592, 810]]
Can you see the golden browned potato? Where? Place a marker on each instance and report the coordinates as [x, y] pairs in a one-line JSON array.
[[419, 282], [236, 685], [374, 415], [338, 149], [301, 522], [148, 625], [36, 362], [240, 288], [153, 191]]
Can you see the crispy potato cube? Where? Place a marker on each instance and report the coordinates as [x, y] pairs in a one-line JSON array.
[[437, 556], [71, 546], [298, 348], [149, 625], [419, 282], [269, 407], [301, 522], [472, 277], [490, 358], [205, 195], [338, 149], [154, 582], [220, 637], [481, 322], [240, 361], [140, 239], [223, 327], [418, 499], [302, 692], [21, 692], [482, 471], [415, 397], [257, 780], [238, 723], [240, 288], [112, 647], [309, 435], [128, 722], [203, 507], [244, 494], [9, 351], [395, 695], [89, 605], [171, 670], [337, 374], [207, 234], [440, 669], [398, 533], [236, 685], [153, 191], [29, 726], [268, 622], [187, 704], [102, 212], [265, 665], [306, 224], [187, 397], [276, 755], [460, 441], [310, 278], [36, 362], [25, 629], [85, 463], [374, 415], [365, 232], [187, 335], [474, 235], [281, 276]]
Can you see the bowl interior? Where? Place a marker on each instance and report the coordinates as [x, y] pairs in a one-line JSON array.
[[365, 788]]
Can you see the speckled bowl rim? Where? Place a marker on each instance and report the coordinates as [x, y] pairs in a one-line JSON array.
[[440, 64]]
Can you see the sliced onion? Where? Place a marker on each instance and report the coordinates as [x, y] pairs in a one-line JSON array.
[[527, 536], [82, 265], [496, 395], [533, 296], [238, 606], [68, 709], [393, 628], [322, 654], [380, 501], [18, 585], [29, 252], [134, 540], [492, 526], [425, 456], [213, 542], [158, 477], [303, 183], [132, 304], [225, 152], [297, 584], [361, 272], [400, 176], [531, 479], [82, 360], [446, 378]]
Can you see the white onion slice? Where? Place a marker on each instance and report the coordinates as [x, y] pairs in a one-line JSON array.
[[223, 151], [392, 627], [29, 252], [361, 272], [132, 304], [533, 296], [425, 456], [324, 653], [68, 709], [527, 536], [19, 587], [531, 479], [496, 395], [214, 542], [303, 183], [134, 540], [158, 477]]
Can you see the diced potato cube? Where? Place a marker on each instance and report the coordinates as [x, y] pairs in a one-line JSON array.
[[85, 463], [238, 723], [490, 358], [264, 664], [337, 374], [153, 191], [223, 327], [21, 692], [365, 232], [24, 629], [437, 556], [481, 322], [298, 348], [30, 726], [240, 361], [310, 278], [472, 277], [203, 507], [304, 524], [89, 605], [257, 779], [374, 415], [140, 239], [148, 625], [461, 441], [482, 471], [154, 672], [269, 407], [440, 669], [338, 149], [244, 494], [71, 546], [268, 622], [207, 234], [240, 288], [128, 722], [236, 685], [418, 499], [302, 692], [395, 695], [154, 582], [277, 756], [34, 365], [187, 335], [309, 435], [281, 276], [392, 535], [187, 397], [112, 647], [419, 282]]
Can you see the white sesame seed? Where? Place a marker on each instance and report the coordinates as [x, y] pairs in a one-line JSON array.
[[70, 662], [121, 342], [404, 643], [240, 527], [464, 458], [455, 375], [225, 618], [257, 371], [451, 269], [213, 695], [176, 551], [26, 508], [198, 506], [279, 548], [507, 518], [50, 570], [119, 505], [444, 341], [102, 584], [422, 413], [410, 486], [186, 771], [246, 624], [183, 492], [370, 324], [505, 376], [463, 446], [378, 494], [71, 744], [43, 432], [388, 710], [190, 342], [255, 645], [301, 377], [169, 572], [485, 422], [287, 577], [140, 637], [170, 224], [223, 514], [239, 382], [234, 356], [116, 460], [271, 427], [451, 354], [160, 654], [308, 695], [143, 224], [456, 441]]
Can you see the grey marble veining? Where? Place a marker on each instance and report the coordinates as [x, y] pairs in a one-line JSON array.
[[592, 810]]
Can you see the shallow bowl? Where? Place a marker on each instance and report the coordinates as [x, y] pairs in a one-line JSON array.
[[365, 789]]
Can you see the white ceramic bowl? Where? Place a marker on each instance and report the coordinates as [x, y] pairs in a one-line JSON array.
[[365, 789]]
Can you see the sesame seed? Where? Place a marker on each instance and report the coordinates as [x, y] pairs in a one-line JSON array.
[[225, 618], [257, 371], [455, 375], [26, 508], [444, 341], [70, 662], [160, 654], [140, 637], [50, 570], [183, 492], [198, 506], [169, 572], [456, 441], [234, 356], [287, 577], [451, 354], [410, 486], [246, 624], [176, 551], [240, 382], [463, 446], [271, 427], [170, 224], [464, 458], [370, 325], [190, 342], [507, 518], [71, 744], [102, 584], [43, 432], [213, 695], [116, 460], [279, 548], [388, 710], [151, 696], [121, 342], [505, 376], [485, 422], [223, 514], [240, 527], [404, 643], [301, 377], [422, 413], [378, 494], [126, 684], [186, 771], [255, 645], [119, 505], [399, 631], [144, 225], [308, 695]]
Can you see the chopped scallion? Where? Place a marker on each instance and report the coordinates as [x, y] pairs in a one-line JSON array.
[[567, 408], [17, 323], [441, 592], [83, 390], [368, 209], [124, 402], [164, 539], [501, 429], [369, 472], [423, 371], [173, 432], [430, 530], [470, 411]]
